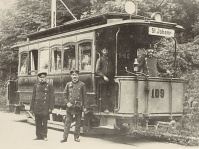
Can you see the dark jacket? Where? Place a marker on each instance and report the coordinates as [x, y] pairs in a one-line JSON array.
[[150, 66], [104, 67], [75, 93], [43, 98]]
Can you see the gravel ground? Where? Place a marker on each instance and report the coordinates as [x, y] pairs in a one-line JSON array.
[[15, 133]]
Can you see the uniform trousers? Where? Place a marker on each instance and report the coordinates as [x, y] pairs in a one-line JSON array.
[[41, 125], [70, 118]]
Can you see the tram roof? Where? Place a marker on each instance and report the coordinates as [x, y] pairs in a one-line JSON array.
[[98, 20]]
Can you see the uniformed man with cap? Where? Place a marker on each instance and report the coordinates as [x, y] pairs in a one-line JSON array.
[[75, 96], [42, 104], [150, 65]]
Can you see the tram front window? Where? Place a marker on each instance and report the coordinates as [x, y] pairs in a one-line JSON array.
[[133, 43], [69, 58], [43, 60], [24, 63], [56, 59]]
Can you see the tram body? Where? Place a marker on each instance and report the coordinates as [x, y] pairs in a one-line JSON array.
[[138, 99]]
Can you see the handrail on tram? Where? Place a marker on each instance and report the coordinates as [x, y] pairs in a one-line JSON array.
[[137, 73]]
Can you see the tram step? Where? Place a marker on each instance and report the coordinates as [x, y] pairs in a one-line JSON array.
[[106, 130]]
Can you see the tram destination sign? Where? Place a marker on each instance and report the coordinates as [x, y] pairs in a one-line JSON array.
[[161, 31]]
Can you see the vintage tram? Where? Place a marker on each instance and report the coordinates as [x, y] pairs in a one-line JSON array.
[[140, 100]]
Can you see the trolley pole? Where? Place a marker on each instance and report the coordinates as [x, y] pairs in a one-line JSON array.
[[53, 14]]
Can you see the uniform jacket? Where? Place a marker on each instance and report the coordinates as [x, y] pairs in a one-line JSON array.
[[151, 66], [75, 92], [43, 98]]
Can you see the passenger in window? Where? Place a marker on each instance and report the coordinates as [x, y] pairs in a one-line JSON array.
[[105, 69], [150, 65], [58, 63], [71, 63], [86, 62], [24, 67]]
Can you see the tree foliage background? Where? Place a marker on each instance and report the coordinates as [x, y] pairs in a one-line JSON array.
[[25, 16]]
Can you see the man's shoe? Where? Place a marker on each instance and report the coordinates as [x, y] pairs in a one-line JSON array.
[[38, 138], [77, 139], [64, 140], [45, 139]]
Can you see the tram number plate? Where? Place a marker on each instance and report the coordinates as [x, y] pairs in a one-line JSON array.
[[157, 93]]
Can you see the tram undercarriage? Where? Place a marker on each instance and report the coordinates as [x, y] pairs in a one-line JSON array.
[[117, 124]]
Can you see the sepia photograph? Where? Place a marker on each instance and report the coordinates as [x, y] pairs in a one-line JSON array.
[[93, 74]]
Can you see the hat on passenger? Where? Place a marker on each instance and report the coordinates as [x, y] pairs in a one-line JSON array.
[[74, 71], [42, 73]]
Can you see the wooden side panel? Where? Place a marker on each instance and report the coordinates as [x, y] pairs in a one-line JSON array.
[[163, 97]]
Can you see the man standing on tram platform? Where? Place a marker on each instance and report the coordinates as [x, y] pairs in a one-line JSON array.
[[75, 95], [104, 68], [150, 65], [42, 104]]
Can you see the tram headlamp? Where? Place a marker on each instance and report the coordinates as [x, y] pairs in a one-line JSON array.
[[157, 16], [130, 7]]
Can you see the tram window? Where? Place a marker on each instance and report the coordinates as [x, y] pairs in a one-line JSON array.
[[85, 56], [69, 57], [55, 59], [43, 60], [24, 63], [33, 61]]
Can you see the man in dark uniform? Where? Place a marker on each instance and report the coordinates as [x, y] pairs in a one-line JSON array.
[[42, 104], [75, 96], [104, 68], [150, 65]]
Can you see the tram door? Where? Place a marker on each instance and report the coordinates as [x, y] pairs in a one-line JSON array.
[[122, 46], [105, 38]]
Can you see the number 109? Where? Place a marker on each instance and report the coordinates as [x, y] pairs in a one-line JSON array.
[[157, 93]]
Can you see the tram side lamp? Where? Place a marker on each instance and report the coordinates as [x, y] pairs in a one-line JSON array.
[[135, 65], [157, 16]]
